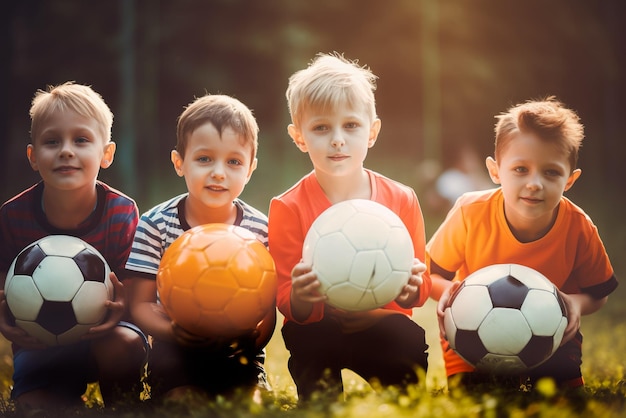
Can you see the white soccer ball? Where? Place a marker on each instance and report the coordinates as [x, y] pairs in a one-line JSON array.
[[505, 319], [56, 289], [361, 252]]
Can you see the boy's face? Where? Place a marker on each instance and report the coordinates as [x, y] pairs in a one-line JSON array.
[[216, 168], [69, 151], [336, 140], [533, 174]]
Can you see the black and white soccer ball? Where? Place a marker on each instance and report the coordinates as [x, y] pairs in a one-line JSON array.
[[505, 319], [56, 289]]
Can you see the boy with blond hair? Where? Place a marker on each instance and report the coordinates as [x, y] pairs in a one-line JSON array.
[[217, 140], [527, 221], [70, 143], [334, 120]]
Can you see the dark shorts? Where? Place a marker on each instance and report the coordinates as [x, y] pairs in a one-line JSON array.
[[172, 365], [61, 370], [391, 352]]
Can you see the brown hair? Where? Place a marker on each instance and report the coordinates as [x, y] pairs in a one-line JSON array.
[[548, 119]]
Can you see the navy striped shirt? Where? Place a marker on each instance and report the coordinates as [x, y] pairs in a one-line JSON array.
[[162, 224]]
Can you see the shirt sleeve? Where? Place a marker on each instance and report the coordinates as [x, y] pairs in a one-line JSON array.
[[285, 244]]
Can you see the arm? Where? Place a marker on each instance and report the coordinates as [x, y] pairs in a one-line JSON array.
[[577, 305], [146, 312]]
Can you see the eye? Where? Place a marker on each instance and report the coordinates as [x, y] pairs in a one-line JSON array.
[[203, 159], [234, 161], [352, 125], [520, 169], [81, 140], [320, 128], [553, 173]]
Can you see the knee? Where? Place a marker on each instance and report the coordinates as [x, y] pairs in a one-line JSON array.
[[122, 348]]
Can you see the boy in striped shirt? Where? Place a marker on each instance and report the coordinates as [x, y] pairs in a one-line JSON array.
[[216, 154]]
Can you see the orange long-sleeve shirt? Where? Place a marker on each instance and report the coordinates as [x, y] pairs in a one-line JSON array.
[[292, 213]]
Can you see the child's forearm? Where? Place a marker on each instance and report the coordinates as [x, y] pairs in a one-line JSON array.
[[439, 285], [587, 303]]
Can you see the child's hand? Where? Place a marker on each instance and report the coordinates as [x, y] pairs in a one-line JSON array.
[[442, 303], [15, 334], [410, 291], [574, 313], [304, 290], [116, 309]]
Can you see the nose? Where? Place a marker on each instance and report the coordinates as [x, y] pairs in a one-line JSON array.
[[534, 182], [337, 140], [217, 171], [67, 149]]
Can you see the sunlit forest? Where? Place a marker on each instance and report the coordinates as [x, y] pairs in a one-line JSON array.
[[445, 69]]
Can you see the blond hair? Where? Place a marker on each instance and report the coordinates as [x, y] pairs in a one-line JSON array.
[[548, 119], [79, 98], [221, 111], [329, 81]]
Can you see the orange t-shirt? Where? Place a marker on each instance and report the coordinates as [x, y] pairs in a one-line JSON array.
[[475, 234], [292, 213]]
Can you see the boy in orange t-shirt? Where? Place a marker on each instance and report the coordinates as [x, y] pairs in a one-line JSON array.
[[527, 221], [334, 120]]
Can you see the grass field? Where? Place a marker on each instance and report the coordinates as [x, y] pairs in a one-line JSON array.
[[603, 367]]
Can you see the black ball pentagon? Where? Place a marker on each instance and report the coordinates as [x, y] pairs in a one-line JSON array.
[[470, 346], [56, 317], [90, 265], [536, 351], [28, 260], [507, 292]]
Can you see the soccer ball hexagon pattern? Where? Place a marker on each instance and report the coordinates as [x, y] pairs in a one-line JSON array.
[[505, 319], [56, 289], [217, 280], [361, 252]]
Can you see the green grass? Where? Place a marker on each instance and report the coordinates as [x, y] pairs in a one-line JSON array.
[[603, 367]]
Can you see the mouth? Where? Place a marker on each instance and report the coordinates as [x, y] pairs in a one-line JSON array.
[[215, 188], [338, 157], [65, 169], [531, 200]]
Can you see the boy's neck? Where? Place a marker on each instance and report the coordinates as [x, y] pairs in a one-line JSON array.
[[198, 214], [68, 209], [340, 188]]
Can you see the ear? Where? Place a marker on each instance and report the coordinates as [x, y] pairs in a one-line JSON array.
[[253, 166], [32, 159], [572, 179], [296, 136], [374, 131], [492, 168], [177, 161], [109, 154]]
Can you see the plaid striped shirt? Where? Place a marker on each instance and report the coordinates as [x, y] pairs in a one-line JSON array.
[[109, 228]]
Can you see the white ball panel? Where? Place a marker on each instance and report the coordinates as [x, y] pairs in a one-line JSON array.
[[23, 298], [345, 296], [369, 269], [61, 245], [390, 289], [34, 329], [530, 277], [542, 311], [366, 232], [450, 327], [332, 259], [470, 307], [504, 331], [58, 278], [89, 302], [333, 219], [73, 335], [400, 249], [489, 274]]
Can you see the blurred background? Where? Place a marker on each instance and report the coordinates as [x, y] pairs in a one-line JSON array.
[[445, 69]]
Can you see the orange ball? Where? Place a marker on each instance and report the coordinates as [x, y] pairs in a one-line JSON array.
[[217, 280]]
